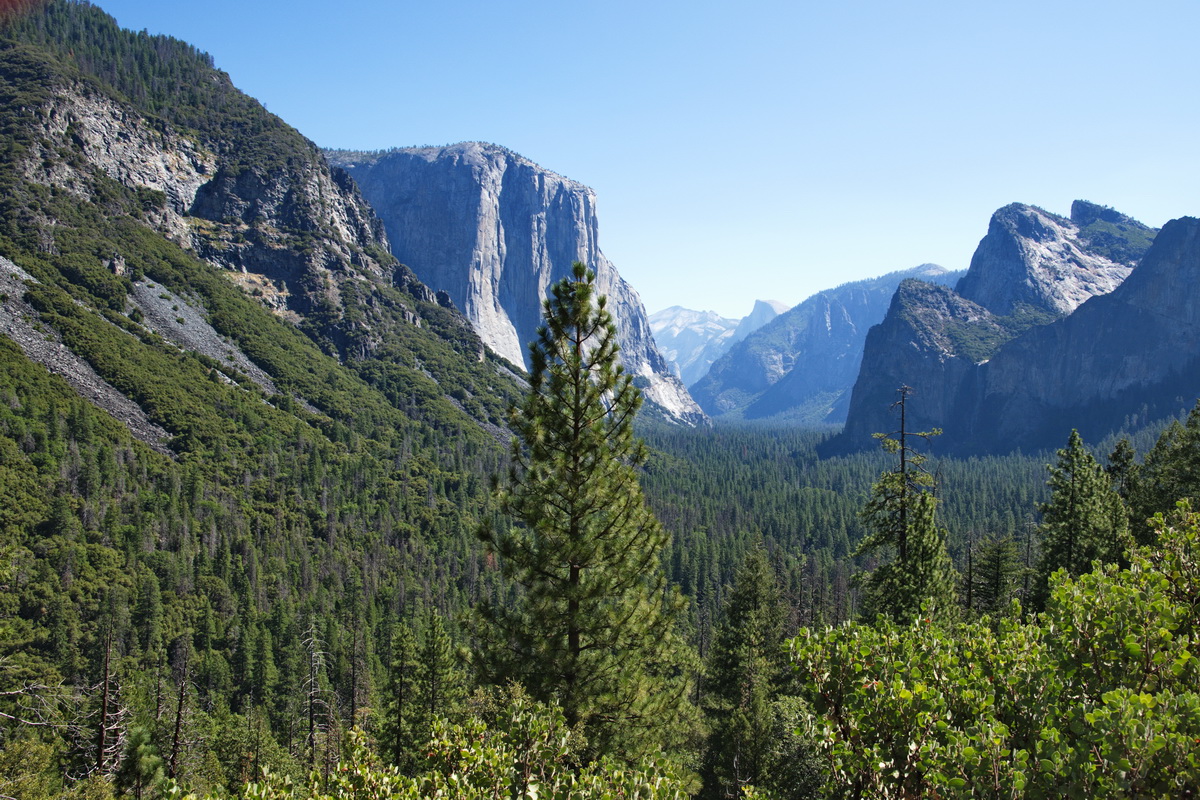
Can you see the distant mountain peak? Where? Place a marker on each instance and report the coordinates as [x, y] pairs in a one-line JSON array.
[[996, 362], [775, 305], [800, 365]]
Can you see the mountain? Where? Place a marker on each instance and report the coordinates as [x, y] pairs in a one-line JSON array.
[[800, 366], [763, 312], [692, 340], [234, 432], [1128, 357], [1031, 258], [494, 230], [1030, 276]]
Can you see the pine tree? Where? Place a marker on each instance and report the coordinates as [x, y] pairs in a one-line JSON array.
[[398, 734], [746, 669], [595, 623], [1084, 521], [996, 571], [440, 685], [902, 526], [141, 769], [1171, 473], [1123, 469]]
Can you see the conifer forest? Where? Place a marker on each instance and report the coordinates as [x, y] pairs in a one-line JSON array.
[[353, 553]]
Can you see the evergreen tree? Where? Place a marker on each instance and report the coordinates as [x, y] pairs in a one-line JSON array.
[[594, 626], [1123, 469], [902, 526], [440, 686], [995, 574], [1084, 521], [746, 670], [141, 769], [1171, 473], [398, 730]]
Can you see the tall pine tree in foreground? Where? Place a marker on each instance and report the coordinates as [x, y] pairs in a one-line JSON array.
[[594, 625], [902, 528]]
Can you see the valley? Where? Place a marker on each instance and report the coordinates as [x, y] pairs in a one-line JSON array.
[[267, 412]]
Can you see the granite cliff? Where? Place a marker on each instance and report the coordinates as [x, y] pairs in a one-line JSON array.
[[1034, 259], [1030, 277], [1126, 358], [495, 231], [800, 366]]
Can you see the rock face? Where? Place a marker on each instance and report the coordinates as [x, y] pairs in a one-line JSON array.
[[127, 148], [925, 324], [1129, 356], [294, 232], [193, 163], [763, 312], [692, 340], [495, 231], [1035, 259], [20, 322], [800, 366], [1033, 277]]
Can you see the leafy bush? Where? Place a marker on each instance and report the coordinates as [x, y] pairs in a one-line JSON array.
[[524, 749], [1097, 697]]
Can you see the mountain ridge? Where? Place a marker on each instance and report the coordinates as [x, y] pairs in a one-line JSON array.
[[800, 366], [692, 340]]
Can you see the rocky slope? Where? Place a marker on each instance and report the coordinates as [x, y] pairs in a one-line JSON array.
[[800, 366], [124, 154], [495, 231], [692, 340], [1031, 273]]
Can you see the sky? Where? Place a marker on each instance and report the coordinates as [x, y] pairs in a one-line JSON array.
[[757, 149]]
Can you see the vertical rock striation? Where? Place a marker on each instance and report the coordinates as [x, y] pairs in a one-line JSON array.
[[495, 231]]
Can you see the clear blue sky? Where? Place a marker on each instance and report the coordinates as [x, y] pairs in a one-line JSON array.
[[752, 149]]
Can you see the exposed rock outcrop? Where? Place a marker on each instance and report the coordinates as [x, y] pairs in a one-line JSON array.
[[495, 231], [919, 344], [1035, 259], [1132, 353], [293, 230], [763, 312], [209, 169], [127, 148], [20, 322]]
